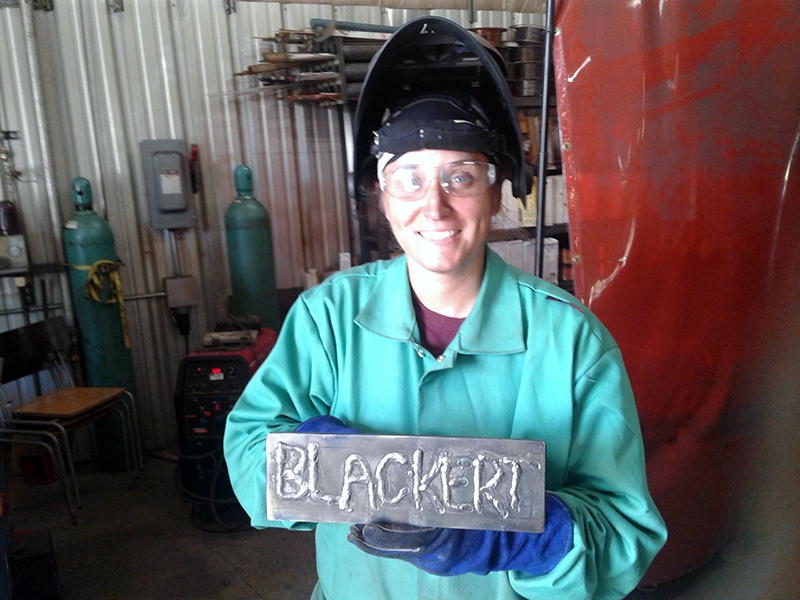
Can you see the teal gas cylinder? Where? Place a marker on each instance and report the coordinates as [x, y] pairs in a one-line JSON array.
[[250, 254], [100, 314]]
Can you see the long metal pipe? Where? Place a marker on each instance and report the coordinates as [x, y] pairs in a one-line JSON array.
[[513, 6], [30, 309], [350, 26], [145, 296], [43, 156], [542, 167]]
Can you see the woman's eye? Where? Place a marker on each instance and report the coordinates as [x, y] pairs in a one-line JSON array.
[[409, 179], [460, 179]]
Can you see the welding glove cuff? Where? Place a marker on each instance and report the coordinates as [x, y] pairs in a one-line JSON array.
[[324, 424], [443, 551]]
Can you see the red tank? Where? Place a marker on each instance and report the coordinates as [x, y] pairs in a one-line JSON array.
[[680, 134]]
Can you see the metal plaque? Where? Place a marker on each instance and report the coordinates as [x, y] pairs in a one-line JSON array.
[[465, 483]]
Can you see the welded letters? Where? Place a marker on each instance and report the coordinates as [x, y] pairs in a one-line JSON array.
[[473, 483]]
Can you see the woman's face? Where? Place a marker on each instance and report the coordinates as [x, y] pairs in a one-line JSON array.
[[441, 233]]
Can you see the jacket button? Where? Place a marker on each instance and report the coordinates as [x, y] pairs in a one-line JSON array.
[[420, 353]]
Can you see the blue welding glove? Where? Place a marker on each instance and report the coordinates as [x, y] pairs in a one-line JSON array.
[[324, 424], [458, 551]]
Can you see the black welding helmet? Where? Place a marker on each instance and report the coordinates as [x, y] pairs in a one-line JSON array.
[[435, 85]]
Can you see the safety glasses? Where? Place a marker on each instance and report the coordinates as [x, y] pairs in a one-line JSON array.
[[460, 179]]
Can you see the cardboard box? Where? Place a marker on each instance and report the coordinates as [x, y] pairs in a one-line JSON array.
[[549, 261], [555, 201], [512, 251], [508, 216]]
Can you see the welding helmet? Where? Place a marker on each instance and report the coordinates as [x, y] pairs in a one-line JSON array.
[[435, 85]]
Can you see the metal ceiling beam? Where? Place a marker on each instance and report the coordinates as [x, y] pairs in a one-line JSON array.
[[517, 6]]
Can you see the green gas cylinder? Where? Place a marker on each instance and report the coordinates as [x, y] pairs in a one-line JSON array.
[[100, 314], [250, 254]]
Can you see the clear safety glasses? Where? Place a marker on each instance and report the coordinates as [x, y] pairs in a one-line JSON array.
[[462, 179]]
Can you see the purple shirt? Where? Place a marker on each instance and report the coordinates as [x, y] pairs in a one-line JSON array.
[[435, 330]]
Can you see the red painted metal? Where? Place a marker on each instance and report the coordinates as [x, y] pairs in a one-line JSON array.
[[681, 125]]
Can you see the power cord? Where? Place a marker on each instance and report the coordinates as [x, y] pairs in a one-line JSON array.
[[218, 508]]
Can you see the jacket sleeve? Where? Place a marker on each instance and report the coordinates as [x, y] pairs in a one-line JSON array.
[[294, 383], [617, 528]]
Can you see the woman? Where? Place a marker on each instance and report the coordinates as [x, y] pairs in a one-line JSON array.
[[448, 340]]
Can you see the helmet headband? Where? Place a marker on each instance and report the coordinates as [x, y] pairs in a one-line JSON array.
[[437, 123]]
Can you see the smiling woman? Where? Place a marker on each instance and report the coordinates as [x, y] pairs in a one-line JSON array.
[[443, 232], [449, 341], [436, 162]]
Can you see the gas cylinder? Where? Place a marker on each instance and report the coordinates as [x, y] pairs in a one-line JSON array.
[[100, 313], [250, 254]]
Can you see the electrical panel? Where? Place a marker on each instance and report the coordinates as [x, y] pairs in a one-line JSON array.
[[182, 291], [169, 190]]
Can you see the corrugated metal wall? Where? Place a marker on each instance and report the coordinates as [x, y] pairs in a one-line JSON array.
[[84, 83]]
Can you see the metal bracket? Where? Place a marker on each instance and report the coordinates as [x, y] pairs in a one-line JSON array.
[[9, 135], [9, 3], [230, 6], [116, 5], [41, 4]]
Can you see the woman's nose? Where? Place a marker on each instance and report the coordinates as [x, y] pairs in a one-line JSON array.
[[436, 202]]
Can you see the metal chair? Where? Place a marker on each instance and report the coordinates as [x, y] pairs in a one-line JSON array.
[[18, 432], [48, 419]]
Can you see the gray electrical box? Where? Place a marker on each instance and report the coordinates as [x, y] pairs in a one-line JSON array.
[[182, 291], [166, 175]]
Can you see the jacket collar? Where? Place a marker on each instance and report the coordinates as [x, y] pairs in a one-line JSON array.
[[494, 326]]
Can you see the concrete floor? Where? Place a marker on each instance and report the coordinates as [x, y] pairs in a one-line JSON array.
[[143, 543]]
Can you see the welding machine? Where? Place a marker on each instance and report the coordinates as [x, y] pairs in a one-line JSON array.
[[210, 382]]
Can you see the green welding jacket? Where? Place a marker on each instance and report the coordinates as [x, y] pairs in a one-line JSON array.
[[529, 362]]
